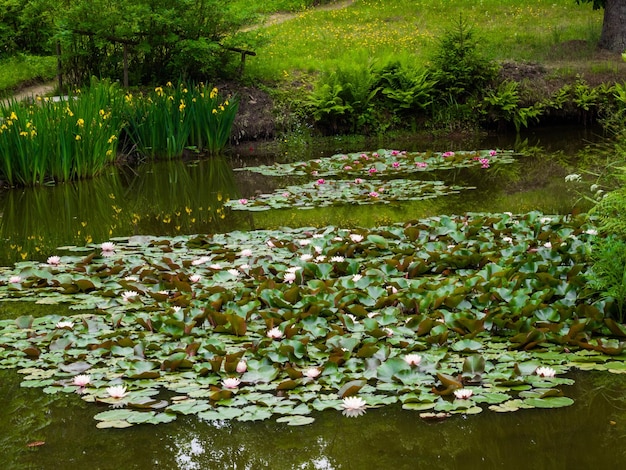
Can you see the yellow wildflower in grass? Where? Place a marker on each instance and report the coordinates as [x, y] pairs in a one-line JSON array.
[[24, 134], [213, 93], [168, 84], [80, 122], [112, 139], [13, 116], [69, 111], [182, 106], [221, 107], [78, 137], [159, 91], [128, 97], [109, 153], [184, 90], [214, 111]]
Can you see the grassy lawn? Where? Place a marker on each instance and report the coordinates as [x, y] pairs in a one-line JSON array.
[[408, 31], [19, 70]]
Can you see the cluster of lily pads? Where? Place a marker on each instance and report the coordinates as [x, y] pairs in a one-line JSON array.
[[363, 188], [322, 193], [450, 314], [386, 163]]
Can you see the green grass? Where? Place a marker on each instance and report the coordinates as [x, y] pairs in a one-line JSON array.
[[20, 69], [408, 30]]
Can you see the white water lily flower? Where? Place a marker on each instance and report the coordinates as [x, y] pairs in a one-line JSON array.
[[234, 272], [65, 324], [356, 238], [353, 406], [306, 257], [242, 366], [463, 393], [290, 277], [304, 242], [274, 333], [15, 279], [81, 380], [195, 278], [413, 359], [337, 259], [199, 261], [215, 266], [117, 391], [129, 295], [357, 278], [231, 382], [545, 372], [320, 258], [245, 252]]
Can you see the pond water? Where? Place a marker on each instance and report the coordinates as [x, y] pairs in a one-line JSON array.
[[187, 197], [174, 198], [589, 434]]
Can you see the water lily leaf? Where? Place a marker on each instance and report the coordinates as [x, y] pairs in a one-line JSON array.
[[117, 424], [296, 420], [24, 322], [351, 388], [474, 365], [467, 345], [418, 406], [549, 402]]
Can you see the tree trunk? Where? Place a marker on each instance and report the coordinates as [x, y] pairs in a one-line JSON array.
[[613, 36]]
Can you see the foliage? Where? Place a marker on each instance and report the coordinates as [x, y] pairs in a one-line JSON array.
[[163, 39], [79, 136], [342, 100], [26, 26], [458, 67], [61, 140], [165, 122], [23, 69]]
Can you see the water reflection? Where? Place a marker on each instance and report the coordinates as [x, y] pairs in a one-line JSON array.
[[587, 435], [169, 198]]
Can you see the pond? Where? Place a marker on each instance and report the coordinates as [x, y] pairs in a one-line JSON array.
[[589, 434], [173, 198]]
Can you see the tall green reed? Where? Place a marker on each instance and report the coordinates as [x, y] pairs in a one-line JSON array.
[[165, 122], [49, 140], [76, 137]]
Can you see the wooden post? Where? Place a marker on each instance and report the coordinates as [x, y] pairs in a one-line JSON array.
[[125, 65], [59, 67]]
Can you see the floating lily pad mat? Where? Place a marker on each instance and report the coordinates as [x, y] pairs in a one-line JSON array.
[[322, 193], [386, 163], [451, 314]]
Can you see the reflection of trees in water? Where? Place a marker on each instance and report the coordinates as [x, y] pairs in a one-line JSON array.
[[167, 198]]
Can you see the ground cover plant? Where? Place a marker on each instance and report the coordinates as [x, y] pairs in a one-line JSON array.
[[443, 315]]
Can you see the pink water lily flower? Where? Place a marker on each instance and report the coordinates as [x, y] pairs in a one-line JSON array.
[[231, 382], [373, 194], [274, 333], [243, 201], [413, 359], [107, 246], [54, 260], [395, 164], [312, 372], [447, 154], [242, 366], [15, 279], [372, 171]]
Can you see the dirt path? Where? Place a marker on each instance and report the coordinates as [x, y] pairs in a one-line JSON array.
[[278, 18], [32, 92]]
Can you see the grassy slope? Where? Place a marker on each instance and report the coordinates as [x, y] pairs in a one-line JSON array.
[[407, 30]]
